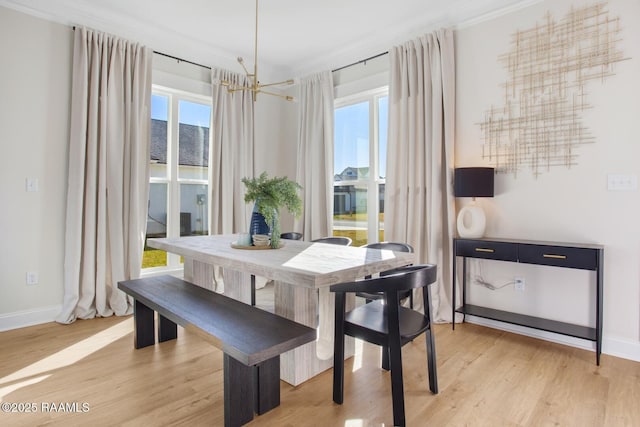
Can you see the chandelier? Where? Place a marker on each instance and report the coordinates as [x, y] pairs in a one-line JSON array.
[[254, 86]]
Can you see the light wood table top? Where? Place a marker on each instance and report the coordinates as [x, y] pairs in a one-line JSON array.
[[307, 264]]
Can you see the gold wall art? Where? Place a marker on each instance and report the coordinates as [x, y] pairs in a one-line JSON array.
[[549, 67]]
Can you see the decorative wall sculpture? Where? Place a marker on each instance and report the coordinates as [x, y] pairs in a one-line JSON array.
[[549, 67]]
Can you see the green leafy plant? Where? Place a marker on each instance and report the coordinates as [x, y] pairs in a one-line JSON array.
[[271, 194]]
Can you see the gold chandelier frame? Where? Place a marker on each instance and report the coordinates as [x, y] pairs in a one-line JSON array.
[[254, 86]]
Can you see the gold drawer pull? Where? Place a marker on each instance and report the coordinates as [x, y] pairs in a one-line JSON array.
[[554, 256], [484, 250]]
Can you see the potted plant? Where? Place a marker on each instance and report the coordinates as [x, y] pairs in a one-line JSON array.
[[269, 195]]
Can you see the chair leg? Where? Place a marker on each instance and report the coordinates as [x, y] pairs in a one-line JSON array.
[[253, 290], [338, 350], [431, 361], [338, 370], [411, 299], [397, 386], [385, 358], [431, 344]]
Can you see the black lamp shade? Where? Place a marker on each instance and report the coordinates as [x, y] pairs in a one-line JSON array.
[[473, 182]]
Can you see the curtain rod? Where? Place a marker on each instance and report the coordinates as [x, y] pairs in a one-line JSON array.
[[362, 61], [172, 57], [181, 60]]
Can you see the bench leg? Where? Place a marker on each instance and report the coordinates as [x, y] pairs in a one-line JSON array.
[[238, 392], [144, 334], [267, 385], [167, 330]]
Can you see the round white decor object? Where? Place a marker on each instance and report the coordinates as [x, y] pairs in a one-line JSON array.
[[471, 221]]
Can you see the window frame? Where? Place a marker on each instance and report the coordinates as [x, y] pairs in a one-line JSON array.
[[371, 96], [172, 178]]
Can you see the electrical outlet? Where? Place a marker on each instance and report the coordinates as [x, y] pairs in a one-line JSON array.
[[518, 284], [32, 277]]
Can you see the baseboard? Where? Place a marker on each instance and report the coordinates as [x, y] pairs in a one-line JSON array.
[[620, 347], [22, 319], [612, 346]]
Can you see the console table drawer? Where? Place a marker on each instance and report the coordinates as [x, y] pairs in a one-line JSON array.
[[491, 250], [582, 258]]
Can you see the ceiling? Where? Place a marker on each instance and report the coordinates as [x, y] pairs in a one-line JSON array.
[[295, 37]]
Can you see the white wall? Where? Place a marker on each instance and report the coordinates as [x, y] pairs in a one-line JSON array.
[[35, 88], [571, 205]]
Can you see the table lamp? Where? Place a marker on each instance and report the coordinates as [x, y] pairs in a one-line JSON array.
[[472, 182]]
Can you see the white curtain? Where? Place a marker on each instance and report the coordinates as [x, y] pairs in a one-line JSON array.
[[232, 153], [315, 175], [108, 174], [232, 157], [419, 204], [315, 155]]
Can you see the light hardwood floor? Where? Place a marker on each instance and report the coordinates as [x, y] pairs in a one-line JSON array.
[[486, 378]]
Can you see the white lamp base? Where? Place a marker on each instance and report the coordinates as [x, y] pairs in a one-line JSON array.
[[471, 221]]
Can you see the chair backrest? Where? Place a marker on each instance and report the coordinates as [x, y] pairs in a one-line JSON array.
[[391, 246], [334, 240], [291, 236], [402, 279]]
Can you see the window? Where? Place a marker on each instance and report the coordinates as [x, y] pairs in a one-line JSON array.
[[179, 176], [360, 156]]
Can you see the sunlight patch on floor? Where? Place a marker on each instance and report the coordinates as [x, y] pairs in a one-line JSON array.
[[354, 423], [68, 356], [16, 386], [357, 357]]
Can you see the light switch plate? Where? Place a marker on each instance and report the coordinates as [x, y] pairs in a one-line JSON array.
[[32, 277], [622, 182], [31, 184]]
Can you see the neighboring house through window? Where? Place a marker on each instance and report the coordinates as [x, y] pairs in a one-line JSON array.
[[360, 153], [179, 176]]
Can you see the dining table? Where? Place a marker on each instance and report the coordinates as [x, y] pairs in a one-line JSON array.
[[302, 273]]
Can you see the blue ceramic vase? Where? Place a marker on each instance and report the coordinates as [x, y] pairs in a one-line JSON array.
[[258, 225]]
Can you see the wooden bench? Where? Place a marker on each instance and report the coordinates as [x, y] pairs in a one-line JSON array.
[[251, 339]]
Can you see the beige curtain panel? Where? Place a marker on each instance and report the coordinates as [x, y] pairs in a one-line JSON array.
[[232, 158], [108, 174], [232, 155], [315, 155], [315, 174], [419, 203]]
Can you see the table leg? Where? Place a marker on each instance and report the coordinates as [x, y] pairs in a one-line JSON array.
[[267, 385], [200, 274], [301, 305], [238, 392], [167, 330], [237, 285], [292, 302], [453, 287], [144, 334]]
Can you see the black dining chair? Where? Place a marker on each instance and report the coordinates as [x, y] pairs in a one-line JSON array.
[[391, 246], [388, 325], [292, 235], [334, 240]]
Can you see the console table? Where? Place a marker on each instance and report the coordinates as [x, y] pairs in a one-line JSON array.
[[567, 255]]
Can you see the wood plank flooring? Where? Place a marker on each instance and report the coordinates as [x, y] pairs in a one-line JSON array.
[[486, 378]]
